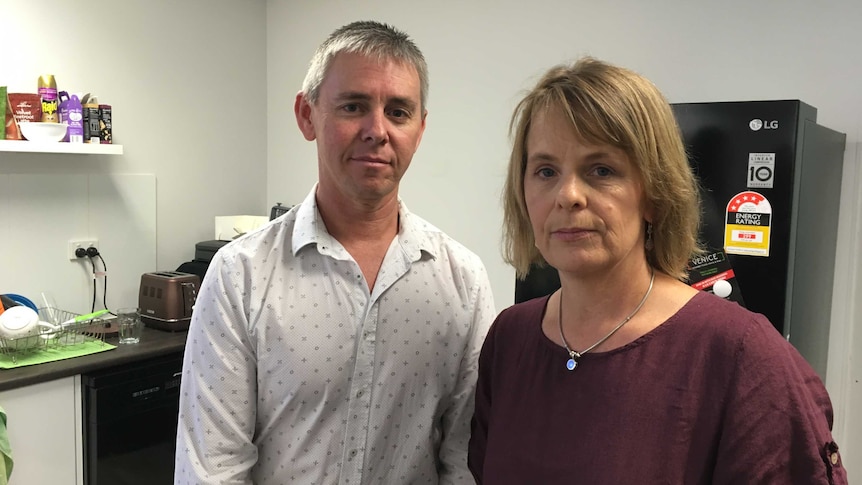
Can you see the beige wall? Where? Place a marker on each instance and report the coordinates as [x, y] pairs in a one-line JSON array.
[[187, 82], [202, 92], [482, 53]]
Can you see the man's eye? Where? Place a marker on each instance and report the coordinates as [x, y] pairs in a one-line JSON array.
[[399, 113], [351, 108]]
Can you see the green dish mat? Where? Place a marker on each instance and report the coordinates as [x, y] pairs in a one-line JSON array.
[[53, 354]]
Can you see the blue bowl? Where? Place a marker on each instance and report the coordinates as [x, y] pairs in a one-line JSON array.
[[23, 300]]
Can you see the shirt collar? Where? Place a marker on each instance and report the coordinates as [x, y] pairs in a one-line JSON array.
[[414, 235]]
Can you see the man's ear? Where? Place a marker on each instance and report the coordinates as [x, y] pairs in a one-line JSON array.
[[302, 110], [421, 130]]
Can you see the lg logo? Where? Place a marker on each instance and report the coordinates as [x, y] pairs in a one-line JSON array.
[[757, 124]]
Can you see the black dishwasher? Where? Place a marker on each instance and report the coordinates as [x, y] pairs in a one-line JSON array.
[[130, 422]]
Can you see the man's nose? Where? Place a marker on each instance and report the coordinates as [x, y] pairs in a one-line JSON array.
[[374, 128]]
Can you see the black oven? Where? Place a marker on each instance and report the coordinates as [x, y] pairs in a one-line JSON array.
[[130, 422]]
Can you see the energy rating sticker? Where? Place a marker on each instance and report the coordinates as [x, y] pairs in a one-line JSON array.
[[748, 225]]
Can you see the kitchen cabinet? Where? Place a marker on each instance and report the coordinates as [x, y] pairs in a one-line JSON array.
[[44, 425], [22, 146], [45, 407]]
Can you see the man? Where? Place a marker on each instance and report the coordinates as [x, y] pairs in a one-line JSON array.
[[338, 344]]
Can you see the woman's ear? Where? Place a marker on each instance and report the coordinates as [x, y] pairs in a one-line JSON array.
[[648, 219], [649, 211]]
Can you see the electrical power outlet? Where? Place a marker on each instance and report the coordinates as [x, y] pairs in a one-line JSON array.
[[76, 244]]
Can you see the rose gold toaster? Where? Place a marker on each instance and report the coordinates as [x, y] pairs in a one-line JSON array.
[[166, 299]]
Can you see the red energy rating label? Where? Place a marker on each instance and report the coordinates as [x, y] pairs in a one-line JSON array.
[[748, 225], [704, 284]]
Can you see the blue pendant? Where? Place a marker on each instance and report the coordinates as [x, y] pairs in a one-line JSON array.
[[571, 364]]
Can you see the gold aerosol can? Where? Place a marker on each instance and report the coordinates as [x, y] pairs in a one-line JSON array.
[[50, 101]]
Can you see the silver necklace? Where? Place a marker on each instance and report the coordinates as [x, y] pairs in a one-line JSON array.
[[572, 363]]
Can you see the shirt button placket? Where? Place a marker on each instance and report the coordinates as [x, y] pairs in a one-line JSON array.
[[360, 402]]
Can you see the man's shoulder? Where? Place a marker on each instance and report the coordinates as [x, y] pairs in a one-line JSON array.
[[275, 235], [437, 242]]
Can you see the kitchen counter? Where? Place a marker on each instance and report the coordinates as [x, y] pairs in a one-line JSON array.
[[153, 344]]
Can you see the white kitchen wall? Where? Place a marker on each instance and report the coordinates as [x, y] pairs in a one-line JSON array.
[[482, 54], [120, 208], [203, 90], [187, 82]]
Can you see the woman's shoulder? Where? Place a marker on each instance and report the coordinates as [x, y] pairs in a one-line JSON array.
[[515, 330], [521, 317], [729, 328], [530, 309], [715, 315]]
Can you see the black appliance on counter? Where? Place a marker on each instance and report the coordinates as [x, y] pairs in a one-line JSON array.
[[130, 422], [278, 209], [204, 252], [771, 182]]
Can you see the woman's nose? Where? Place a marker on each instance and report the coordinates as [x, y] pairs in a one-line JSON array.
[[570, 194]]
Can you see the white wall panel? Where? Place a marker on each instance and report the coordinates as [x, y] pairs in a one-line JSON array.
[[45, 211], [187, 83]]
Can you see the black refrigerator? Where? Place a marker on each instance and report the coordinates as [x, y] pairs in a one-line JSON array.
[[770, 181]]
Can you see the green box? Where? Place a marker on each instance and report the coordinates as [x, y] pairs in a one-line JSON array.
[[3, 101]]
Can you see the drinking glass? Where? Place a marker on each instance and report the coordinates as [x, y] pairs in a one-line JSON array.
[[130, 325]]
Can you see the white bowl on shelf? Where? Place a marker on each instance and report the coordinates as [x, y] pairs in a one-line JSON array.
[[43, 132]]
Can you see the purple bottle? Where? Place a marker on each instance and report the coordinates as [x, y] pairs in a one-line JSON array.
[[72, 115]]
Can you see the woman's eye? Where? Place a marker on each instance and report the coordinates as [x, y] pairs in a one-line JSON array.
[[545, 172], [603, 171]]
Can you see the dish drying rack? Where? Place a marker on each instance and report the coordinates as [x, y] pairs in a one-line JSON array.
[[44, 339]]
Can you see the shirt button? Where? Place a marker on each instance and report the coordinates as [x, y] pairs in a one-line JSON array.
[[359, 394], [834, 458]]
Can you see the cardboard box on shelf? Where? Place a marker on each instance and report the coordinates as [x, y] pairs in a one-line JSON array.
[[232, 227], [26, 106], [10, 126]]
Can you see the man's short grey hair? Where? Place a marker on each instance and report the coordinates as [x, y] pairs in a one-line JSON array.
[[368, 38]]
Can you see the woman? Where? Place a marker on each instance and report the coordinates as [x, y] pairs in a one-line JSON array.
[[627, 374]]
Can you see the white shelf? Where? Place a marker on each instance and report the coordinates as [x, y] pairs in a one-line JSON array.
[[24, 146]]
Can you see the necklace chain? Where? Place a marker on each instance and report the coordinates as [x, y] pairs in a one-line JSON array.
[[572, 363]]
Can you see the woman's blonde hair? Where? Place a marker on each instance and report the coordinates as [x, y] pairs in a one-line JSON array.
[[610, 105]]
